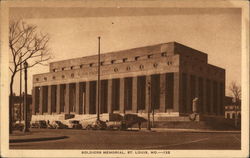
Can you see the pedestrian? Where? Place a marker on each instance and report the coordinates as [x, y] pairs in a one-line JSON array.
[[139, 125]]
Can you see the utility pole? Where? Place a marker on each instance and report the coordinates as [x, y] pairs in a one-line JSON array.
[[25, 105], [149, 105], [20, 94], [153, 115], [98, 82]]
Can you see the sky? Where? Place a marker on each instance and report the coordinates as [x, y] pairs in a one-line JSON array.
[[73, 32]]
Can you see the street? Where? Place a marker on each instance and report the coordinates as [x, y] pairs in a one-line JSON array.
[[137, 140]]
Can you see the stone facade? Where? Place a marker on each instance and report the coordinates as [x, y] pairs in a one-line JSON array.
[[177, 74]]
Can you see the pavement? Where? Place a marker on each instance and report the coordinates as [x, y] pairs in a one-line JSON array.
[[193, 130], [36, 135], [32, 136]]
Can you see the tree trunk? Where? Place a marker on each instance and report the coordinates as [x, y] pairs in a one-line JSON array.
[[11, 103]]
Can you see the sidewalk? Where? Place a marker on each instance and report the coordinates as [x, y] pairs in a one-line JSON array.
[[20, 137], [189, 130]]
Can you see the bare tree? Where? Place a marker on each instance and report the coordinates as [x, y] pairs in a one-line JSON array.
[[235, 90], [26, 44]]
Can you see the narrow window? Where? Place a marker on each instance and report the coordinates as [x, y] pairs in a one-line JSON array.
[[164, 54], [124, 59], [150, 56], [141, 66]]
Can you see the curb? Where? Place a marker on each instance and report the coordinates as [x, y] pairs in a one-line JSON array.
[[36, 139], [188, 131], [193, 131]]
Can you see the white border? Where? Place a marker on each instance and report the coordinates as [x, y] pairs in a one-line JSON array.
[[244, 5]]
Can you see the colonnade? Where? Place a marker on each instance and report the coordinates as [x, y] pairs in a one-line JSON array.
[[168, 91]]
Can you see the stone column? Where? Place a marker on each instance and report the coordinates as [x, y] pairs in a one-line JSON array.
[[218, 99], [109, 101], [49, 98], [87, 97], [53, 99], [147, 94], [33, 100], [58, 98], [41, 100], [211, 97], [177, 91], [223, 98], [122, 107], [204, 102], [197, 89], [134, 95], [188, 92], [163, 91], [77, 98], [67, 97]]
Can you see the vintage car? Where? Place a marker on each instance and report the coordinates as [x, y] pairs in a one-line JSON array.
[[114, 124], [18, 125], [75, 124], [57, 125], [95, 125], [130, 120], [38, 124]]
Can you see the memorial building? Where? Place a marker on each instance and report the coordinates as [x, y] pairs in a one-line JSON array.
[[168, 75]]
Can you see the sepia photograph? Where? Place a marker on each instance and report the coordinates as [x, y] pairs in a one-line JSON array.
[[151, 78]]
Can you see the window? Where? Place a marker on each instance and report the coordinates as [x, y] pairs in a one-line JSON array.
[[80, 66], [128, 68], [37, 79], [102, 62], [124, 59], [150, 56], [72, 67], [54, 70], [54, 77], [233, 115], [45, 78], [115, 69], [63, 76], [155, 65], [141, 66], [91, 64], [112, 61], [136, 58], [72, 75], [164, 54], [63, 68]]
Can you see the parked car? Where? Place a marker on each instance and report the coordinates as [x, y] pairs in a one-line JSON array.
[[74, 124], [18, 125], [57, 125], [96, 125], [114, 124], [38, 124], [131, 119]]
